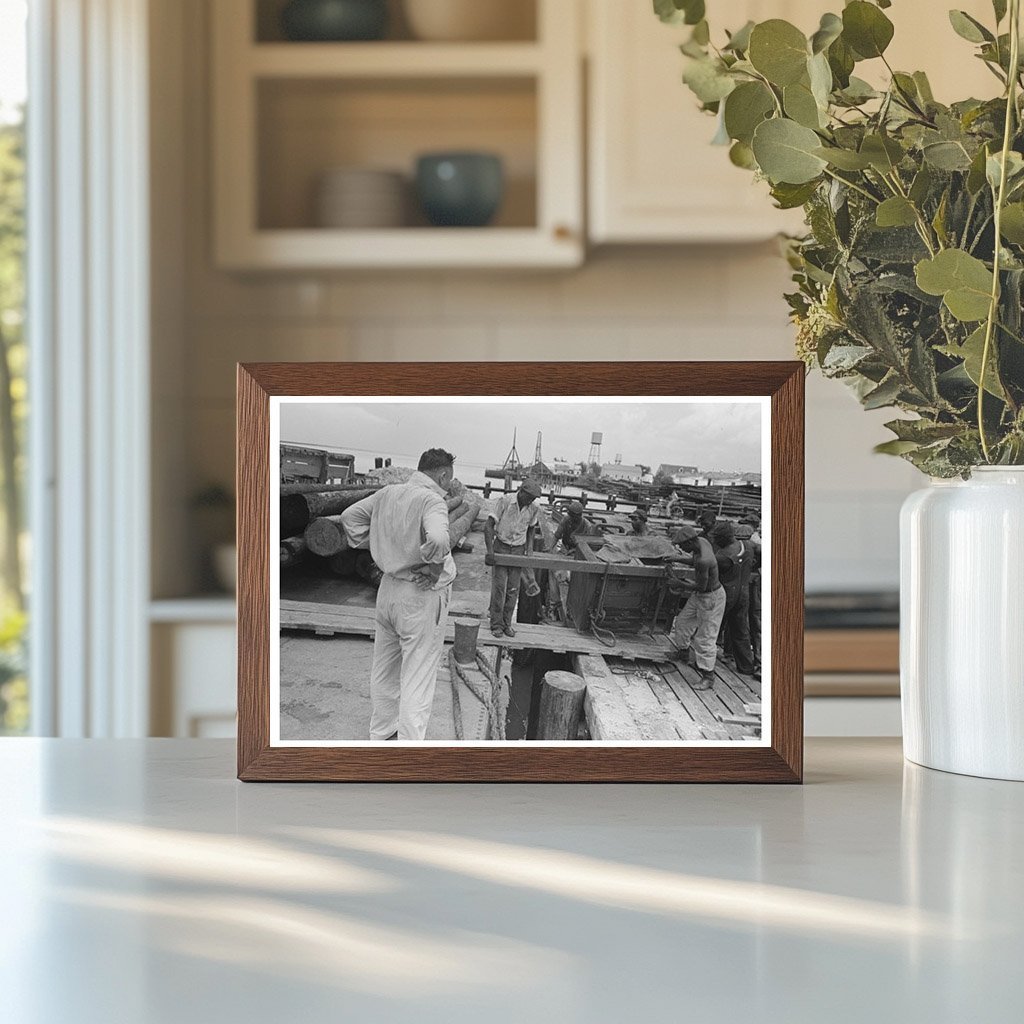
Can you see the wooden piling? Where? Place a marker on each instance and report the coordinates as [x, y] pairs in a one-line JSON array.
[[561, 706]]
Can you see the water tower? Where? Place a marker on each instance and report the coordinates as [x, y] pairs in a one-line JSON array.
[[595, 447]]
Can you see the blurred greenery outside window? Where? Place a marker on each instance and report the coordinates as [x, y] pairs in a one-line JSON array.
[[14, 547]]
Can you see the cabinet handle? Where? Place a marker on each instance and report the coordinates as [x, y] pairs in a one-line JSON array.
[[563, 232]]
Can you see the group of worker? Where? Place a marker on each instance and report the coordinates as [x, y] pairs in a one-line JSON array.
[[406, 529], [725, 603]]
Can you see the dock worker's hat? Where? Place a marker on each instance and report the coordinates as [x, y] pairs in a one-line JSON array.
[[533, 488], [639, 514], [575, 508], [725, 533], [683, 535]]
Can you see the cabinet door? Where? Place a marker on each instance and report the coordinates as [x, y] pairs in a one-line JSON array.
[[653, 174]]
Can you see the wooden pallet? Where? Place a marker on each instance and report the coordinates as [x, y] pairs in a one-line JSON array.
[[329, 620]]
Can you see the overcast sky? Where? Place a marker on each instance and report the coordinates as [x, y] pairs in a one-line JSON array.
[[724, 436]]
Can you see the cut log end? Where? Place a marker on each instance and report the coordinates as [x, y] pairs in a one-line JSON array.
[[326, 536]]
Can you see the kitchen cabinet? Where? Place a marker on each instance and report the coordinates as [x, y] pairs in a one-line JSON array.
[[653, 175], [287, 113]]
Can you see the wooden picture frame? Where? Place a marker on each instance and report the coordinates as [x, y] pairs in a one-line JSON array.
[[779, 760]]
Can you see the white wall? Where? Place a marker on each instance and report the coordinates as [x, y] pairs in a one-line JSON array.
[[655, 303]]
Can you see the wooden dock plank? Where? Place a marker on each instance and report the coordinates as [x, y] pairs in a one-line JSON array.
[[710, 727], [681, 719], [652, 700], [326, 619], [651, 718]]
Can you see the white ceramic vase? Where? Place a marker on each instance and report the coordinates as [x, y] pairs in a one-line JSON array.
[[962, 624]]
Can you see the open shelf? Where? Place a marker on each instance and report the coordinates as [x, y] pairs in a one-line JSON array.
[[521, 16], [308, 127], [286, 114]]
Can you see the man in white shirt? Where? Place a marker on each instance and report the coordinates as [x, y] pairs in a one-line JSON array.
[[405, 526], [510, 528]]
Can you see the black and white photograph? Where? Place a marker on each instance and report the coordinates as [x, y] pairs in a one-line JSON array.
[[556, 570]]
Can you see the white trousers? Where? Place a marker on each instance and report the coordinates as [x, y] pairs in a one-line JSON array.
[[407, 646], [697, 626]]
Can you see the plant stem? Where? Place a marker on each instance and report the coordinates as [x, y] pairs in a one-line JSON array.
[[855, 187], [993, 309]]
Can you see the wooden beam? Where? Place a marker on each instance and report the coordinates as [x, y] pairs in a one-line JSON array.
[[556, 564]]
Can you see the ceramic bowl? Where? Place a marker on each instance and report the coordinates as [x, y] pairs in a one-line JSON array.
[[460, 189], [471, 20], [334, 20]]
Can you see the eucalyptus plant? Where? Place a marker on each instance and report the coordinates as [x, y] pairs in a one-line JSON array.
[[909, 280]]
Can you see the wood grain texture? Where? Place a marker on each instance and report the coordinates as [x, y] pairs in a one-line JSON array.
[[521, 762]]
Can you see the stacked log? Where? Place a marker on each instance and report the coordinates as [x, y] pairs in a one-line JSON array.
[[326, 536], [299, 510], [293, 550]]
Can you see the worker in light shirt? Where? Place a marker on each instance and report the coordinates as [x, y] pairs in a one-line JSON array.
[[405, 526], [509, 530]]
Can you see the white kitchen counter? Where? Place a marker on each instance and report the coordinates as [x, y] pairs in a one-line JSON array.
[[143, 885]]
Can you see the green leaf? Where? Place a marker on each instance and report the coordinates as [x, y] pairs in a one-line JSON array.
[[921, 185], [844, 159], [707, 80], [866, 29], [976, 174], [883, 153], [785, 152], [742, 155], [789, 197], [858, 91], [778, 50], [745, 108], [999, 7], [739, 41], [1014, 169], [701, 33], [946, 156], [895, 447], [971, 352], [896, 212], [968, 28], [820, 76], [1012, 224], [963, 281], [829, 30], [923, 431], [676, 12], [841, 60], [800, 105], [924, 88], [885, 394]]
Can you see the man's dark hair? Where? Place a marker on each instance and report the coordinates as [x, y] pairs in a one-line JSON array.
[[435, 458], [707, 518]]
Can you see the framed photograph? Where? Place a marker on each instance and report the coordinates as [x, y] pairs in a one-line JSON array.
[[508, 572]]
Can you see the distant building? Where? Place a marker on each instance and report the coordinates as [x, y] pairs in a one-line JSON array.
[[622, 471], [681, 474]]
